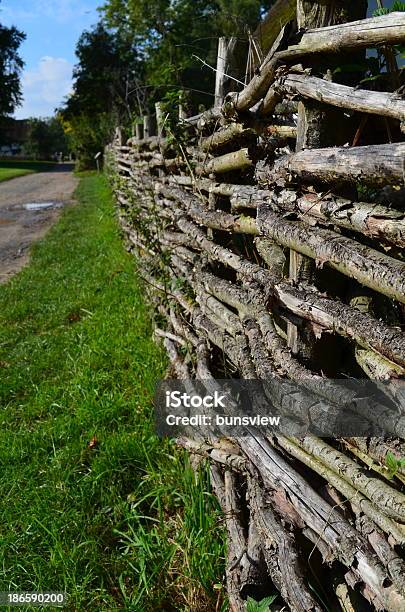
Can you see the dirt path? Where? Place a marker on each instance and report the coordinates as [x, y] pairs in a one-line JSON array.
[[20, 226]]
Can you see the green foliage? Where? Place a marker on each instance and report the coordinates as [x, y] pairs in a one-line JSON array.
[[105, 75], [144, 51], [46, 137], [88, 135], [170, 34], [396, 7], [104, 91], [394, 464], [11, 66], [260, 606], [176, 133]]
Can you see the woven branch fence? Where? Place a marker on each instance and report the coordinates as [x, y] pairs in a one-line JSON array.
[[270, 237]]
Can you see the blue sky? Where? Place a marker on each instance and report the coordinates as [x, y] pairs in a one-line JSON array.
[[52, 28]]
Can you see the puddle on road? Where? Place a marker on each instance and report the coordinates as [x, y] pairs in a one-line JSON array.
[[41, 205]]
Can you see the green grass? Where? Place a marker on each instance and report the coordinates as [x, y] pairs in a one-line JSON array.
[[12, 168], [92, 502]]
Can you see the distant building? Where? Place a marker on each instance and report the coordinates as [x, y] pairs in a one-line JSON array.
[[13, 134]]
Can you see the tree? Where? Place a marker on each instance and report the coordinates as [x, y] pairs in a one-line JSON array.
[[105, 89], [172, 33], [46, 137], [11, 66], [105, 73], [143, 51]]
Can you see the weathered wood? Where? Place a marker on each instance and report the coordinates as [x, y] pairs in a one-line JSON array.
[[218, 454], [385, 30], [375, 164], [250, 303], [267, 31], [259, 85], [214, 219], [225, 68], [301, 269], [341, 96], [139, 131], [149, 126], [269, 104], [371, 219], [383, 496], [193, 232], [369, 267], [319, 14], [234, 133], [331, 314], [356, 498], [159, 119], [378, 368], [376, 450], [272, 254], [119, 136], [308, 303], [236, 542], [313, 131], [281, 554], [283, 131], [204, 119], [391, 560], [237, 160], [326, 521]]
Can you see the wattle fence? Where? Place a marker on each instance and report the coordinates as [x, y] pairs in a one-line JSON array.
[[269, 232]]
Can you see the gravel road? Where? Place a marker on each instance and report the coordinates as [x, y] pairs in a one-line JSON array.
[[19, 226]]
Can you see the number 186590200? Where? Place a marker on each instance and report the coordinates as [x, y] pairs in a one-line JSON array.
[[33, 599]]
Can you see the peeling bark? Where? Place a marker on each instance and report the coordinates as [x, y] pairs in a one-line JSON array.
[[360, 100], [369, 267], [375, 164], [387, 29]]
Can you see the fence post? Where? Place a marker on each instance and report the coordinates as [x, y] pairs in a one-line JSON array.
[[159, 119], [182, 111], [231, 65], [139, 131], [149, 126], [119, 136], [316, 128], [221, 69]]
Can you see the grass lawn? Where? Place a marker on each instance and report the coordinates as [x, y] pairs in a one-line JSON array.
[[13, 168], [93, 503]]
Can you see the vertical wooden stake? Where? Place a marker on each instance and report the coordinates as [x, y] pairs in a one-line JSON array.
[[221, 69], [139, 131], [316, 128], [231, 62], [119, 135], [182, 110], [159, 119], [149, 126]]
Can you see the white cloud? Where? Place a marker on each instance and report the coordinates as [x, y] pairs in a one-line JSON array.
[[45, 87]]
